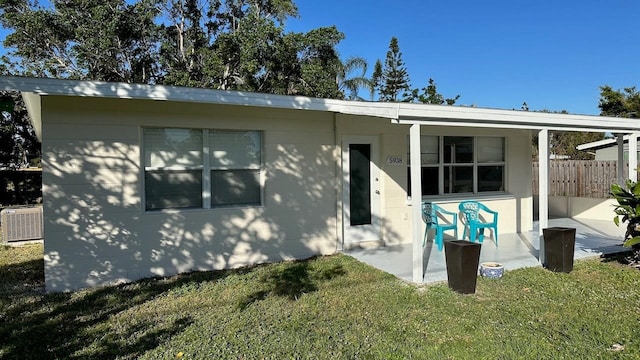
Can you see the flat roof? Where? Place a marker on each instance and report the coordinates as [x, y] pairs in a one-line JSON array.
[[400, 113]]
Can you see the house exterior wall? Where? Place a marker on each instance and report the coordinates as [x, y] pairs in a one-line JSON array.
[[515, 205], [98, 232], [582, 208], [611, 152]]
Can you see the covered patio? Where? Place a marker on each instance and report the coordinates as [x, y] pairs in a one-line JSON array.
[[524, 247], [593, 238]]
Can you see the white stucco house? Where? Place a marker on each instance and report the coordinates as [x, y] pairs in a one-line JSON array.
[[145, 180]]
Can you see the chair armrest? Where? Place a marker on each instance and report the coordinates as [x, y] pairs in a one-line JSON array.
[[494, 213], [450, 213], [447, 212], [491, 211]]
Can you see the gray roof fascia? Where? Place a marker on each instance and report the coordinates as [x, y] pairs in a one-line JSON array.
[[401, 113], [85, 88], [498, 118]]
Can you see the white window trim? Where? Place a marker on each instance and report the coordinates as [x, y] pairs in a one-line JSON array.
[[206, 172], [475, 164]]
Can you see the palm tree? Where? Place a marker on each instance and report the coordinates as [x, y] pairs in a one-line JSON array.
[[351, 77]]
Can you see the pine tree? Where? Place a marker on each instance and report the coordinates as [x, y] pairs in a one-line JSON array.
[[376, 78], [395, 79]]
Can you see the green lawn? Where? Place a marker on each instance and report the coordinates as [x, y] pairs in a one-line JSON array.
[[325, 308]]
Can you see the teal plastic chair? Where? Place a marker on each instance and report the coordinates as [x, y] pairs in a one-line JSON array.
[[433, 215], [475, 222]]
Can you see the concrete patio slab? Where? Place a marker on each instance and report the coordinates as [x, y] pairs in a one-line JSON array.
[[593, 238]]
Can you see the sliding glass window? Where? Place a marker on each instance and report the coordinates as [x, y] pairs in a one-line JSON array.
[[460, 165]]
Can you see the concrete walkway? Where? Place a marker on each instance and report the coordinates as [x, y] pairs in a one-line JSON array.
[[593, 238]]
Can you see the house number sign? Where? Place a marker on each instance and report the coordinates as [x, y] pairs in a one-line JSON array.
[[395, 160]]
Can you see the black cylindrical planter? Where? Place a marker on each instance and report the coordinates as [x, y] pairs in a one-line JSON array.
[[559, 243], [462, 259]]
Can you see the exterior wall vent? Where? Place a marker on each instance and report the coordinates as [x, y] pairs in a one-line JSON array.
[[21, 224]]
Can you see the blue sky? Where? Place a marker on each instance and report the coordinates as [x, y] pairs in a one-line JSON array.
[[495, 53]]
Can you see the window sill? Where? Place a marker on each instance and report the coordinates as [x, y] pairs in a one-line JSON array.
[[456, 198], [196, 210]]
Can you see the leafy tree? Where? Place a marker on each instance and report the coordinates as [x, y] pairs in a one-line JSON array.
[[565, 142], [320, 63], [19, 146], [184, 43], [107, 40], [394, 79], [241, 45], [221, 44], [429, 95], [621, 103]]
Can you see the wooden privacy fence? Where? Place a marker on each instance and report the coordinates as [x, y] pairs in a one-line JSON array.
[[581, 178]]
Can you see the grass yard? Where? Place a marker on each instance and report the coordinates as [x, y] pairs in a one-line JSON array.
[[324, 308]]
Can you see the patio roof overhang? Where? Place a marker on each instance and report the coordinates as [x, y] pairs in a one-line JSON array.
[[512, 125], [511, 119]]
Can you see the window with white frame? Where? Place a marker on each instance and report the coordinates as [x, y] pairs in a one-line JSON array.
[[193, 168], [460, 164]]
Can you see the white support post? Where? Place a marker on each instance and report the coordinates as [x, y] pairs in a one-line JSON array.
[[620, 163], [633, 157], [543, 191], [416, 203]]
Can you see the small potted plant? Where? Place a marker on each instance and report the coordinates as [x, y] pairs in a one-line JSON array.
[[628, 211], [491, 270]]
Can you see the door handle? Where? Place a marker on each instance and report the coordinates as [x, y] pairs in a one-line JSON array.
[[378, 192]]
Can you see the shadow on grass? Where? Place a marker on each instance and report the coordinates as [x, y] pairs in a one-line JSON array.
[[292, 280], [629, 257], [34, 325], [23, 276]]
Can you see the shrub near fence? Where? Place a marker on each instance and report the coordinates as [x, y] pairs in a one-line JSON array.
[[579, 178]]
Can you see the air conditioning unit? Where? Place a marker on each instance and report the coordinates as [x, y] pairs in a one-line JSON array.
[[21, 224]]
